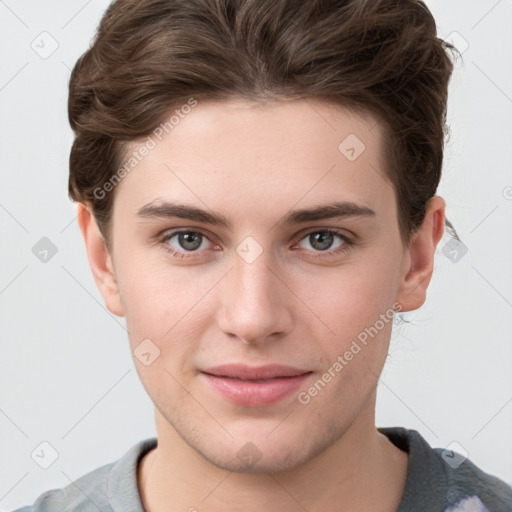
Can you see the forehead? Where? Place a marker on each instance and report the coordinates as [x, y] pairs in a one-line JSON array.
[[238, 151]]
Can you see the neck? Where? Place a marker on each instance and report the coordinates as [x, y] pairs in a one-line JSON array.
[[362, 470]]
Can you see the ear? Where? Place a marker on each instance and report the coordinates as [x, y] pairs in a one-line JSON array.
[[419, 258], [99, 259]]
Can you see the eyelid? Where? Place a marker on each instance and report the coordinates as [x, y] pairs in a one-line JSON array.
[[169, 233], [344, 233]]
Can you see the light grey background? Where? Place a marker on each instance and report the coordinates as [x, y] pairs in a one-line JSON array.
[[66, 372]]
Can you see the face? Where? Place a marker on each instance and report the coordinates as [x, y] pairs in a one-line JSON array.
[[264, 238]]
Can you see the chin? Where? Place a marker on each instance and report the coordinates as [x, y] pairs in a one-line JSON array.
[[253, 460], [262, 451]]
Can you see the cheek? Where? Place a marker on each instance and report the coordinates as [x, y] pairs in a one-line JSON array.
[[149, 291], [167, 306], [350, 298], [353, 316], [162, 302]]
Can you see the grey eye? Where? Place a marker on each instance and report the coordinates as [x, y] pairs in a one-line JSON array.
[[189, 240], [321, 240]]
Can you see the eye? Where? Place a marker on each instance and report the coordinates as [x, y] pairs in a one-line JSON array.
[[179, 243], [323, 240], [189, 244]]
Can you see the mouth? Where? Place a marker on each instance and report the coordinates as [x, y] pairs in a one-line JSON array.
[[254, 386]]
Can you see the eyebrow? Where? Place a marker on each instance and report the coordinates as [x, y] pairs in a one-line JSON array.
[[337, 209]]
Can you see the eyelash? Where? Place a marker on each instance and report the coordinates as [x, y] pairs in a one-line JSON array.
[[329, 253]]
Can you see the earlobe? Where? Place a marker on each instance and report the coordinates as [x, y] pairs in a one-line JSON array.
[[99, 260], [419, 259]]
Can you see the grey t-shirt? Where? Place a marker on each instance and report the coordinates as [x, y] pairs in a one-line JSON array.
[[433, 483]]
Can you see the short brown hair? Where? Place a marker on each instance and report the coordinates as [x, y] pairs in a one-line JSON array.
[[149, 56]]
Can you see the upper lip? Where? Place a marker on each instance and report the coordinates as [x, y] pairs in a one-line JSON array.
[[240, 371]]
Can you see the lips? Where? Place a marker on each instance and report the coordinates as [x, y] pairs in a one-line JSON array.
[[270, 371], [254, 386]]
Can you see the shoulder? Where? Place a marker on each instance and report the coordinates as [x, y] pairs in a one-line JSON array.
[[109, 488], [472, 489], [84, 494], [442, 480]]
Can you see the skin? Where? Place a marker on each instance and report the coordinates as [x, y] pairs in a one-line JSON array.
[[253, 163]]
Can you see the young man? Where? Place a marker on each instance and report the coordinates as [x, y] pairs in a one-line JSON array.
[[256, 184]]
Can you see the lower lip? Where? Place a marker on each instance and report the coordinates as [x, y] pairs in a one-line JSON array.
[[255, 394]]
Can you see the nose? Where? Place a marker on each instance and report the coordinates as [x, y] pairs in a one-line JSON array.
[[255, 305]]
